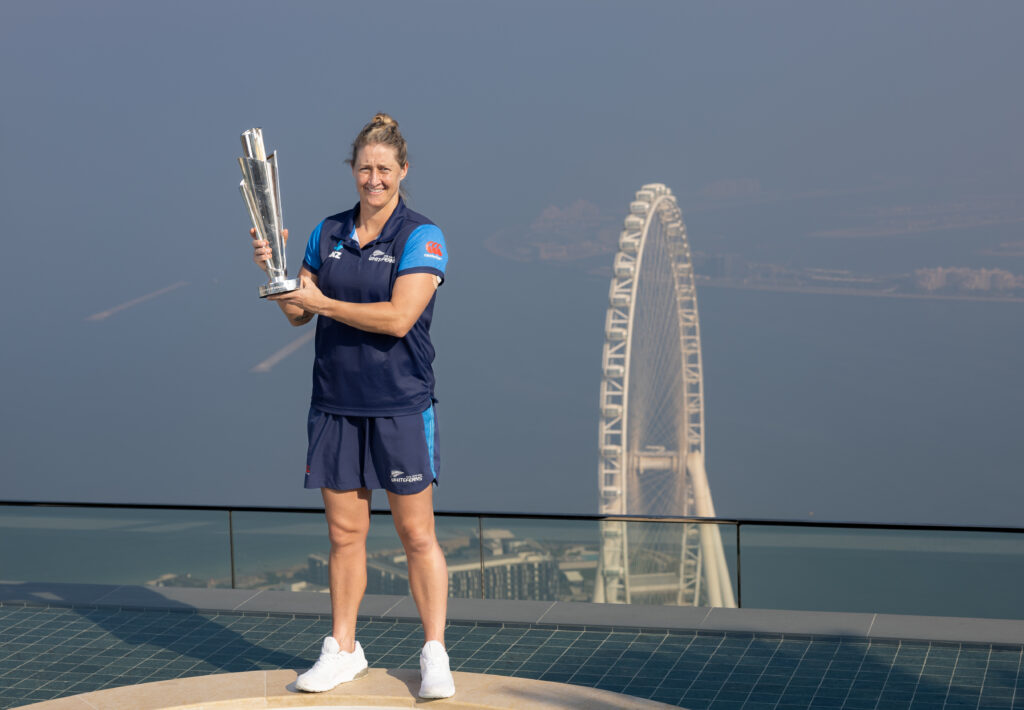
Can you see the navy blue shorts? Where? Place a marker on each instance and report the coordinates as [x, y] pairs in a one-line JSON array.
[[400, 454]]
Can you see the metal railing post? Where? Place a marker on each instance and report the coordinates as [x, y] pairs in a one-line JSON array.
[[739, 574], [231, 542], [480, 540]]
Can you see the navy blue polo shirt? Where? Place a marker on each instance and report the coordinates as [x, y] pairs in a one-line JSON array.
[[358, 373]]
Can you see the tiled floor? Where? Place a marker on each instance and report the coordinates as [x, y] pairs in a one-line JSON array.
[[50, 652]]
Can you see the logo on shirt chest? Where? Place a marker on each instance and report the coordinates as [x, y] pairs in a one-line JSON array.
[[379, 255], [336, 254]]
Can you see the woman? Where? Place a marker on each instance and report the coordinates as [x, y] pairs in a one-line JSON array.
[[370, 275]]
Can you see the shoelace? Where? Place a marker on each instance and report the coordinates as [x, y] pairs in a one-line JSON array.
[[328, 659], [433, 661]]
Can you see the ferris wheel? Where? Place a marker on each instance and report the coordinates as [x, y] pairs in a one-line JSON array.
[[652, 421]]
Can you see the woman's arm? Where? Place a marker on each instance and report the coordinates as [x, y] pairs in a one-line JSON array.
[[409, 298], [261, 255], [295, 314]]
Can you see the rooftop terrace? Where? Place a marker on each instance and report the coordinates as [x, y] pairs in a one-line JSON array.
[[60, 640], [844, 629]]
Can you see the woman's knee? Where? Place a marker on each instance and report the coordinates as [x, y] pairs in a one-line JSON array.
[[347, 532], [417, 539], [413, 516]]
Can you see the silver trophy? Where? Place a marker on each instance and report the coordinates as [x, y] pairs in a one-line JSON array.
[[262, 194]]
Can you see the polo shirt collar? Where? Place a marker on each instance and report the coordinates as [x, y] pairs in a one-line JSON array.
[[391, 227]]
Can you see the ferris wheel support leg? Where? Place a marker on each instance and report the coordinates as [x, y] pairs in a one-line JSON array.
[[711, 571], [728, 598], [599, 597], [711, 538]]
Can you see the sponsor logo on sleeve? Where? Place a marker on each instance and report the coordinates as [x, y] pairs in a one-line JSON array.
[[434, 251]]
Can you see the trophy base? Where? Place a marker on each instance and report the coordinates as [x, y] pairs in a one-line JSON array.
[[279, 287]]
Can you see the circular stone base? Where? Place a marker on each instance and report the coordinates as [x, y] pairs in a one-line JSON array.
[[380, 689]]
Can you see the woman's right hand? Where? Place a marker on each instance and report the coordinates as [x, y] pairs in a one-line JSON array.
[[261, 248]]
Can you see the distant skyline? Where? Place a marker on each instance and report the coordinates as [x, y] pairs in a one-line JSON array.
[[877, 138]]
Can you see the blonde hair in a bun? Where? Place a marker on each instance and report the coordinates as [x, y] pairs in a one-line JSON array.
[[381, 129]]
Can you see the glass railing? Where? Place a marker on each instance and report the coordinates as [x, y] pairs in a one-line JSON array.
[[900, 570], [100, 545], [929, 570]]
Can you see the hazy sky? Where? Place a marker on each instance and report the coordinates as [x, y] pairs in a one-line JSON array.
[[777, 124]]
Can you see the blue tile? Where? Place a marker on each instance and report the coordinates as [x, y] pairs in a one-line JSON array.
[[732, 693], [893, 704], [713, 670]]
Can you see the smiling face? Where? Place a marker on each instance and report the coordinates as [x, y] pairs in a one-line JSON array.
[[378, 176]]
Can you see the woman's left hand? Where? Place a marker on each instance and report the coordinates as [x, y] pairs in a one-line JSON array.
[[308, 296]]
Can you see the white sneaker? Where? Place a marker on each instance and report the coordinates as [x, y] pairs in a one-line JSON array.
[[436, 676], [333, 668]]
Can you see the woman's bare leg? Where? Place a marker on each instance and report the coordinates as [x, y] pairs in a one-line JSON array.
[[348, 522], [428, 573]]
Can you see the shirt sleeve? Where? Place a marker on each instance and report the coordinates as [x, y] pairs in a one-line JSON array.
[[425, 252], [312, 258]]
